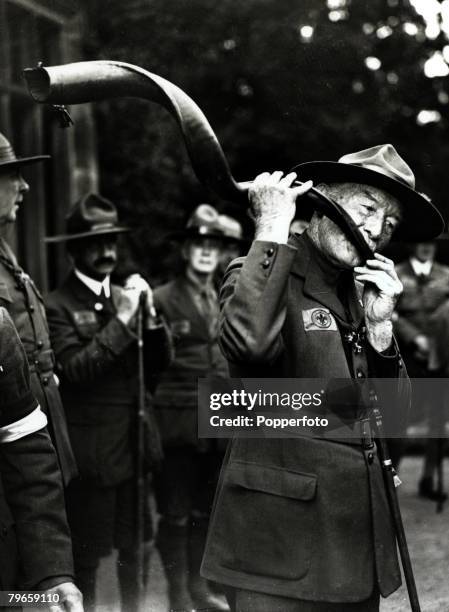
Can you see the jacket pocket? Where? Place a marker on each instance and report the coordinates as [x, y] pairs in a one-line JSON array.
[[266, 520]]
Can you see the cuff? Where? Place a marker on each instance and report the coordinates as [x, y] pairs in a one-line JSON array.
[[384, 364], [52, 581]]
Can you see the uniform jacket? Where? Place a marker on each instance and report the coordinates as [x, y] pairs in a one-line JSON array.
[[19, 295], [420, 299], [97, 360], [197, 355], [300, 517], [33, 524]]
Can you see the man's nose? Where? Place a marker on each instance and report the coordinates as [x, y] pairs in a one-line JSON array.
[[23, 185]]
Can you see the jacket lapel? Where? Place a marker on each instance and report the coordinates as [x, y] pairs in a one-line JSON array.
[[320, 288]]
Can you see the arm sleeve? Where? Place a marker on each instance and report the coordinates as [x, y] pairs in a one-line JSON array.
[[253, 302], [30, 472], [82, 363]]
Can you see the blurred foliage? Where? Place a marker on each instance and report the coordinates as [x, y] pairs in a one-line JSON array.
[[281, 81]]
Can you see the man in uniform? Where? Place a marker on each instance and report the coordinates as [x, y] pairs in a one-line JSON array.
[[20, 296], [301, 524], [35, 548], [426, 288], [93, 331], [186, 484]]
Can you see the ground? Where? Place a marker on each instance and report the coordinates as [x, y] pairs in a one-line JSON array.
[[427, 534]]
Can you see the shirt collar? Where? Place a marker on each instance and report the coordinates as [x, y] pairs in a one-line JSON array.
[[94, 285], [421, 267], [197, 285]]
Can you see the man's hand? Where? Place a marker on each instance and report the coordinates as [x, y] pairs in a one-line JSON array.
[[381, 292], [70, 598], [129, 299], [273, 204], [135, 286]]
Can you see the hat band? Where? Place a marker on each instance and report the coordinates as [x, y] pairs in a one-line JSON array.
[[7, 154], [385, 172]]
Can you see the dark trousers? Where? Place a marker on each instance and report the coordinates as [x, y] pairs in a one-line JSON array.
[[103, 518], [249, 601]]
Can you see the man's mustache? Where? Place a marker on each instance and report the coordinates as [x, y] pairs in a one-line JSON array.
[[105, 260]]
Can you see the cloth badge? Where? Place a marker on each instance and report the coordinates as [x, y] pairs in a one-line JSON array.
[[84, 317], [318, 319]]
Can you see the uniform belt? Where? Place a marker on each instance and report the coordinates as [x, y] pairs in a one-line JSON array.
[[42, 361]]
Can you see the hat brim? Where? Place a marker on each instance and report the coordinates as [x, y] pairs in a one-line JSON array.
[[99, 232], [187, 233], [422, 220], [23, 161]]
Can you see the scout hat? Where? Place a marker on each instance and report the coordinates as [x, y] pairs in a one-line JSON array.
[[202, 223], [231, 228], [92, 215], [8, 158], [384, 168]]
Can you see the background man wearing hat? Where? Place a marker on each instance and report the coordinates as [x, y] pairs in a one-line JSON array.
[[186, 484], [235, 245], [302, 524], [20, 296], [92, 324], [426, 288], [35, 547]]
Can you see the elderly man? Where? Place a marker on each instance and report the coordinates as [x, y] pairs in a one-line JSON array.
[[93, 330], [302, 524], [20, 296], [186, 484], [35, 549]]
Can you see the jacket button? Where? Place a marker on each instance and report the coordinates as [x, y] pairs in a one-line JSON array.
[[39, 344], [270, 252], [360, 374], [400, 364], [265, 264], [45, 380], [370, 458], [32, 309], [36, 362]]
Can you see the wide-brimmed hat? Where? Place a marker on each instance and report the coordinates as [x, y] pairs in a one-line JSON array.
[[384, 168], [8, 158], [231, 228], [202, 223], [92, 215]]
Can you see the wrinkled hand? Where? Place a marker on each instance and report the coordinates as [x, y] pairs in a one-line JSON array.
[[273, 204], [70, 598], [382, 288]]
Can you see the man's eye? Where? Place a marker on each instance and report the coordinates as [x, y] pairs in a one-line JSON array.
[[369, 208]]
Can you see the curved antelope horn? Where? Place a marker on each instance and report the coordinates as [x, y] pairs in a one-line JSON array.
[[99, 80]]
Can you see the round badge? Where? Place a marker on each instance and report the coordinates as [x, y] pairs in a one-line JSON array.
[[321, 318], [98, 306]]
